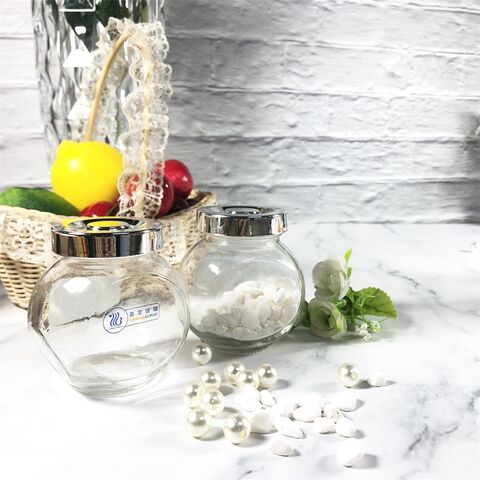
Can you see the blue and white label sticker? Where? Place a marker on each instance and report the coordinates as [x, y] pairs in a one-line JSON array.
[[116, 319]]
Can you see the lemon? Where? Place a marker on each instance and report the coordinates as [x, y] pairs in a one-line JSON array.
[[86, 172]]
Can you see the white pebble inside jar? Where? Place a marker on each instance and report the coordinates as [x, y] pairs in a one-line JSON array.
[[253, 309]]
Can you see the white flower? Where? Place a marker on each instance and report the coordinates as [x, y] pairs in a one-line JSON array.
[[375, 326], [326, 320], [330, 279]]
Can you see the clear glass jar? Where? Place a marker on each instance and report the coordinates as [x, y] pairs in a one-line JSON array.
[[112, 313], [245, 287]]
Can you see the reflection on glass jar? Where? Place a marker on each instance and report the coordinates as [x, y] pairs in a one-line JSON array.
[[245, 287], [112, 313]]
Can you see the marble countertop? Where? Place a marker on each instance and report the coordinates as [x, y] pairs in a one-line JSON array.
[[423, 424]]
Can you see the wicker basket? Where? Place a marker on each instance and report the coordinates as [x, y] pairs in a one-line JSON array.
[[25, 243]]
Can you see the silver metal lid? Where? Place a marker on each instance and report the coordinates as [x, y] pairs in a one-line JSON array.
[[104, 237], [242, 221]]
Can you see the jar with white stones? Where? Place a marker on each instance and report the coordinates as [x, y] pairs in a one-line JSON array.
[[245, 287]]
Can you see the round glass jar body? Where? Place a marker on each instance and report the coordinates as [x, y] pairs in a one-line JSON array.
[[109, 325], [245, 292]]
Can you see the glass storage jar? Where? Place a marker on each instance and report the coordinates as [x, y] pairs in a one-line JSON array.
[[245, 287], [112, 313]]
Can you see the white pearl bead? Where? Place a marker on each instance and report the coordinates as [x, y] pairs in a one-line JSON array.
[[198, 422], [192, 394], [348, 375], [236, 428], [211, 380], [232, 370], [267, 375], [213, 402], [248, 378], [201, 353]]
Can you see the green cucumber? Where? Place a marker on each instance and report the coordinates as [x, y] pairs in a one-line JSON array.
[[37, 199]]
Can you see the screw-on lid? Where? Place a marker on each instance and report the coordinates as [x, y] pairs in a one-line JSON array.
[[242, 221], [103, 237]]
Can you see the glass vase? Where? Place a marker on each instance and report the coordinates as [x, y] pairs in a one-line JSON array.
[[65, 32]]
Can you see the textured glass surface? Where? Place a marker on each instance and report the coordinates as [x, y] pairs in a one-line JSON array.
[[65, 32]]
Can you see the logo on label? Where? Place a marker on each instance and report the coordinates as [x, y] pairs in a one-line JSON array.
[[115, 320]]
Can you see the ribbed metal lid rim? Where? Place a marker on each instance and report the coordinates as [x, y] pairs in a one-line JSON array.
[[242, 220], [106, 237]]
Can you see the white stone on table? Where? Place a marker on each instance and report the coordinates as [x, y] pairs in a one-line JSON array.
[[287, 427], [324, 425], [266, 398], [377, 379], [308, 412], [262, 422], [279, 445]]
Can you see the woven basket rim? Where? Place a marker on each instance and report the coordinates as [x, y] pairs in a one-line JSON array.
[[199, 195]]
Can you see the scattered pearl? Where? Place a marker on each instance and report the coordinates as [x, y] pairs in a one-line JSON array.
[[267, 375], [345, 427], [261, 422], [211, 380], [201, 353], [286, 427], [266, 398], [280, 446], [213, 402], [248, 378], [348, 375], [236, 428], [377, 379], [308, 412], [332, 411], [350, 452], [324, 425], [192, 393], [198, 422], [285, 408], [346, 401], [232, 370]]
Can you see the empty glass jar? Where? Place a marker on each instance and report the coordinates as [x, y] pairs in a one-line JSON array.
[[245, 287], [112, 313]]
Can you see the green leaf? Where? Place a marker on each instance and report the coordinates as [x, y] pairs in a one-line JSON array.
[[373, 301], [349, 272], [305, 315], [347, 255]]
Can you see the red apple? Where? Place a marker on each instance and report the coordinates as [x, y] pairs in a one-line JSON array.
[[99, 209], [168, 192], [168, 197], [180, 176]]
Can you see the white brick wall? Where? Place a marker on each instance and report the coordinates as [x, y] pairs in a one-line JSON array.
[[350, 110]]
